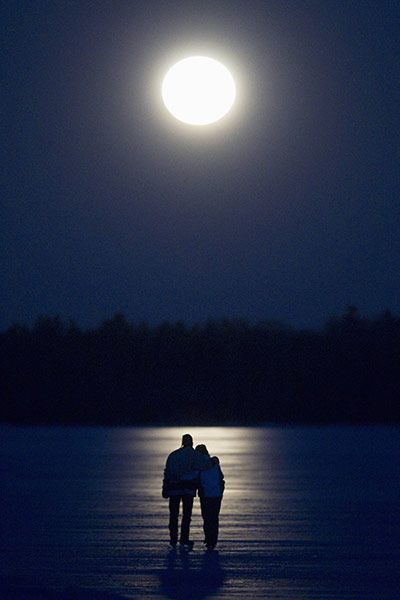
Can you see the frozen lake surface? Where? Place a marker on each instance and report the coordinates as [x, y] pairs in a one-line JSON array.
[[308, 513]]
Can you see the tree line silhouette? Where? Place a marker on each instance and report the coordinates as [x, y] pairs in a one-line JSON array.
[[221, 372]]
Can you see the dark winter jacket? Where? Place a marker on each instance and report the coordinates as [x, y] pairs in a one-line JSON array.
[[181, 473], [212, 483]]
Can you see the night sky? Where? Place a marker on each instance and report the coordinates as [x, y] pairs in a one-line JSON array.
[[288, 208]]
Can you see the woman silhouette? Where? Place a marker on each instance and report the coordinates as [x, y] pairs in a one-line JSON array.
[[211, 489]]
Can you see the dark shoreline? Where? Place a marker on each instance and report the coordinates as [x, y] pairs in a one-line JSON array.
[[225, 372], [380, 424]]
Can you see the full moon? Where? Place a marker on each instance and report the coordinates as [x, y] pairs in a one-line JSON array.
[[198, 90]]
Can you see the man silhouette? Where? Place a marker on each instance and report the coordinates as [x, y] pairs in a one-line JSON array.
[[181, 478]]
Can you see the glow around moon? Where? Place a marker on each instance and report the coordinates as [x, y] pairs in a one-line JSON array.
[[198, 90]]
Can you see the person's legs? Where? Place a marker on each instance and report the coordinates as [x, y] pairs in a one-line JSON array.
[[207, 516], [203, 512], [187, 502], [174, 502], [213, 508]]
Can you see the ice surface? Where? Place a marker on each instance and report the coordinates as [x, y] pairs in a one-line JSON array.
[[308, 513]]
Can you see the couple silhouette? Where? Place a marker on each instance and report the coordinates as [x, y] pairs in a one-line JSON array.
[[190, 471]]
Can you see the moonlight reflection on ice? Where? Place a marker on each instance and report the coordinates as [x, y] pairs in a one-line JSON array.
[[83, 509]]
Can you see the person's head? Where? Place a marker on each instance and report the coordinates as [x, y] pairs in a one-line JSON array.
[[203, 449], [187, 441]]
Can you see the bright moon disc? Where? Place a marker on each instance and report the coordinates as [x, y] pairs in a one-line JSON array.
[[198, 90]]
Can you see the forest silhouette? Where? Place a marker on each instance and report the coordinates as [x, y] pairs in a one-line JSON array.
[[220, 372]]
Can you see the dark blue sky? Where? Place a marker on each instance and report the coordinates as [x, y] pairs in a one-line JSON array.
[[287, 209]]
